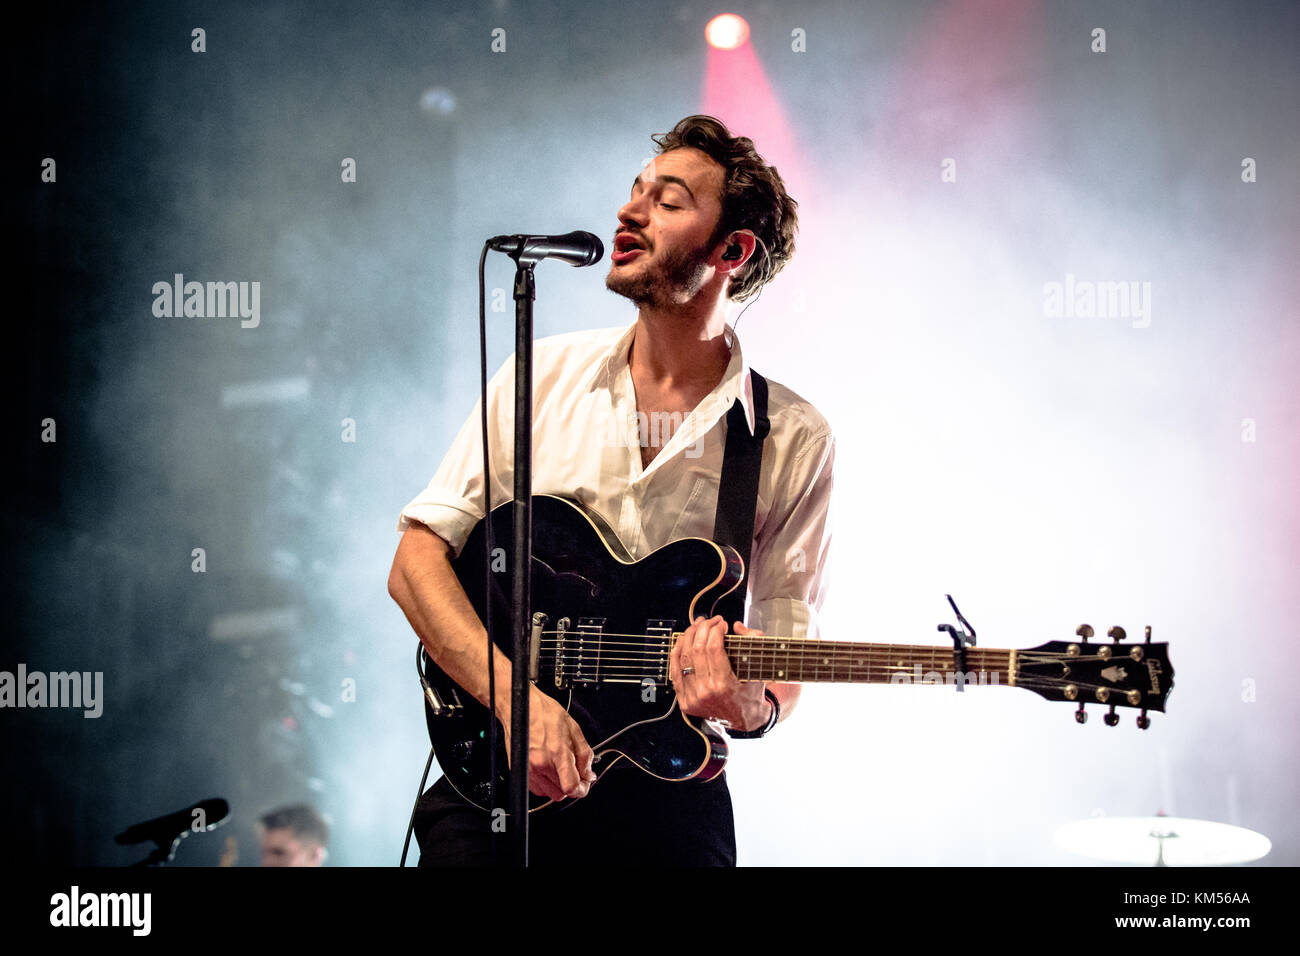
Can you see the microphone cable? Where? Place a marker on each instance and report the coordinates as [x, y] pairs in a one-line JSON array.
[[410, 826], [487, 537], [487, 573]]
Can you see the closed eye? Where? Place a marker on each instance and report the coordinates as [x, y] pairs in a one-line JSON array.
[[665, 205]]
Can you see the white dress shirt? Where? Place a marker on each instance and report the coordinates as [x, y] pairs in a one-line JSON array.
[[586, 446]]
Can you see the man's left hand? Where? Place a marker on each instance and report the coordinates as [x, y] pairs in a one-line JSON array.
[[705, 684]]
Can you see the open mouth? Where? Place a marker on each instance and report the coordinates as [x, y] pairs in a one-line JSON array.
[[626, 248]]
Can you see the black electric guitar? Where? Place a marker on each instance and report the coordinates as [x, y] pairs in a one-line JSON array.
[[603, 626]]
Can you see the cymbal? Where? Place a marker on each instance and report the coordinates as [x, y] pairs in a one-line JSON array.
[[1162, 841]]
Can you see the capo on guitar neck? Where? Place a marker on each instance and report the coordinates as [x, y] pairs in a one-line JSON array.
[[959, 640]]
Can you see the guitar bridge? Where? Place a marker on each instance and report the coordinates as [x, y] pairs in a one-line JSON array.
[[559, 676]]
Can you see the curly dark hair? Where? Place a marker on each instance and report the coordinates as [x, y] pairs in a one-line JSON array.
[[753, 198]]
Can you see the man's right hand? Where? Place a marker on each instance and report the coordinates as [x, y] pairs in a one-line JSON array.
[[559, 758], [424, 585]]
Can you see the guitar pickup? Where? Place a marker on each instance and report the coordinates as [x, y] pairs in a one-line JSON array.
[[659, 633], [587, 638]]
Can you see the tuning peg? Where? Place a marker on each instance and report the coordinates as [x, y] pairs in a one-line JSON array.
[[1084, 631], [1112, 718], [1081, 715], [1148, 633], [1143, 720], [1117, 632]]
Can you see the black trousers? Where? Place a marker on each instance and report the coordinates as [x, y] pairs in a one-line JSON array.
[[628, 819]]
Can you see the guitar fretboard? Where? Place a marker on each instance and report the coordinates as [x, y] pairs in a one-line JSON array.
[[594, 657], [807, 661]]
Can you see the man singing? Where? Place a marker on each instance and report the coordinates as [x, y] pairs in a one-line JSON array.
[[707, 222]]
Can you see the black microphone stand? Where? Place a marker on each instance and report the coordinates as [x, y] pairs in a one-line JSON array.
[[162, 852], [578, 249], [167, 839], [521, 593]]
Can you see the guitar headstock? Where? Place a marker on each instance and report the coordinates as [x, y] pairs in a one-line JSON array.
[[1114, 675]]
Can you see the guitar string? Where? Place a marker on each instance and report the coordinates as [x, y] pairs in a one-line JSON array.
[[772, 647], [765, 642], [616, 668], [576, 656], [879, 657], [591, 659], [1032, 684], [625, 654], [631, 652], [762, 650], [982, 658], [597, 651]]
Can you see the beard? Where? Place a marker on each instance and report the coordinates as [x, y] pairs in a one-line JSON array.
[[675, 280]]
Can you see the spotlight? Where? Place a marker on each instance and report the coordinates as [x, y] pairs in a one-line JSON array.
[[726, 32]]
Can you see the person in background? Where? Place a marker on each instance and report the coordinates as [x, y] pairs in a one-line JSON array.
[[294, 836]]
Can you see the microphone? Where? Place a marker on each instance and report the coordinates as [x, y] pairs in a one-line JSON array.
[[576, 248], [163, 830]]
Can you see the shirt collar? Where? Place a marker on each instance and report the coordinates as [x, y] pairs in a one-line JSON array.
[[735, 380]]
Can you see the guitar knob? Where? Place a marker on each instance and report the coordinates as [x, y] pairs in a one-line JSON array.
[[1143, 721], [1111, 719], [462, 749], [1081, 715], [1084, 631], [1118, 633]]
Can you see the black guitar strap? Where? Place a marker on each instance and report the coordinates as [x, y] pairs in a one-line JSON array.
[[738, 489]]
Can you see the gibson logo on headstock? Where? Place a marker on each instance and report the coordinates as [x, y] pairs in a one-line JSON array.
[[1154, 672]]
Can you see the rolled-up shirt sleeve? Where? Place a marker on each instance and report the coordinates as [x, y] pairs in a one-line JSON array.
[[788, 575], [452, 503]]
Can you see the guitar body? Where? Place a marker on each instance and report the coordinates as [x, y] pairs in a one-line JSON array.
[[603, 650], [603, 627]]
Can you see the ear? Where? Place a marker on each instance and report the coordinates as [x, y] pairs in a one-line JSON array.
[[735, 250]]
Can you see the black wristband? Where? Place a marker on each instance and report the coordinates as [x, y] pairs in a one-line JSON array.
[[766, 729]]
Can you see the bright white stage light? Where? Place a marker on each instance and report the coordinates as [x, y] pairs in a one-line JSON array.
[[726, 32]]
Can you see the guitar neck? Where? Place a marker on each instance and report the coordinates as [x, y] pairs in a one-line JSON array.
[[802, 661]]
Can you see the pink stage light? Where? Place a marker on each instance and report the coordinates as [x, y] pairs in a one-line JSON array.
[[737, 91]]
